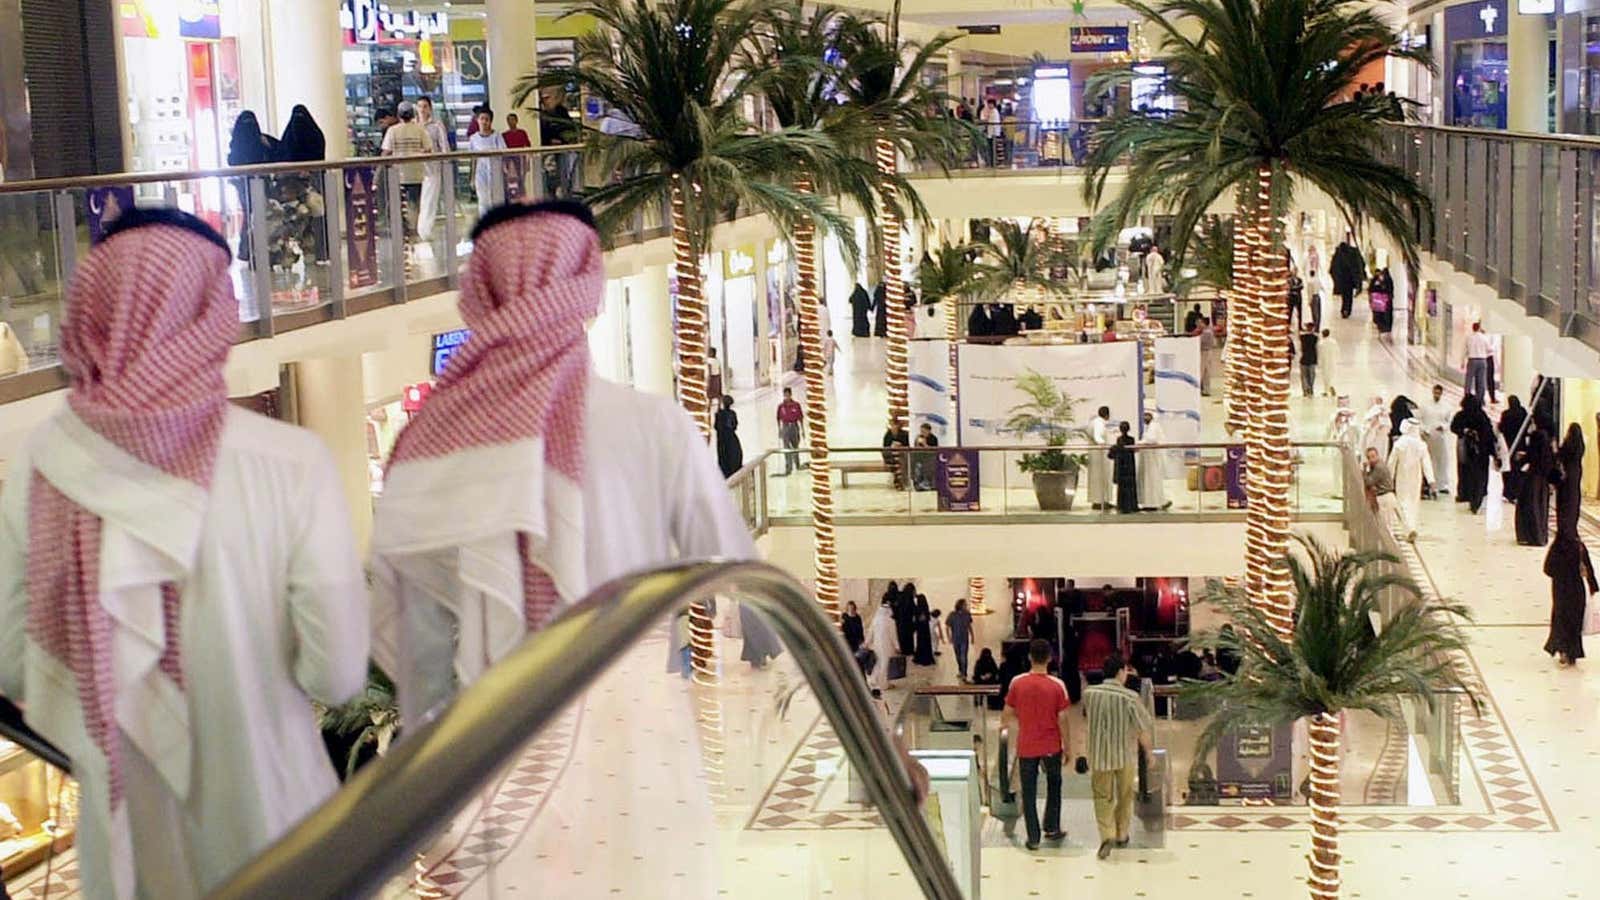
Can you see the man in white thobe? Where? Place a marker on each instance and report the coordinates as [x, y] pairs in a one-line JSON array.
[[882, 641], [1152, 466], [1327, 362], [1435, 415], [229, 525], [454, 593], [1099, 462], [435, 174], [1375, 427], [1155, 268], [1412, 467]]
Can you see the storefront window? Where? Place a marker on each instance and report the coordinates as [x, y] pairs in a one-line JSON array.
[[1480, 84], [390, 57]]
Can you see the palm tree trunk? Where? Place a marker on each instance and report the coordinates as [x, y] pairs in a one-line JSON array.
[[691, 340], [1236, 399], [1270, 460], [975, 594], [1324, 858], [1248, 290], [812, 329], [898, 374]]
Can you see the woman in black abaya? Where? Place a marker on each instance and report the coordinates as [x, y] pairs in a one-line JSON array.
[[1125, 472], [1475, 448], [1510, 423], [730, 453], [905, 611], [1571, 582], [922, 618], [1533, 464], [1569, 480]]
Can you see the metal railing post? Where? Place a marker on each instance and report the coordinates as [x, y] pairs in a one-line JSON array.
[[397, 230], [66, 216], [260, 254], [333, 225]]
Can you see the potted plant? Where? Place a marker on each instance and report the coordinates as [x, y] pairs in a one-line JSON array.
[[1048, 411]]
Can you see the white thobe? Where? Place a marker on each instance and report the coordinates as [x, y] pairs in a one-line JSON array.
[[883, 643], [651, 494], [274, 615], [1375, 427], [1435, 416], [1410, 463], [1099, 462], [1155, 265], [1152, 466], [1327, 361]]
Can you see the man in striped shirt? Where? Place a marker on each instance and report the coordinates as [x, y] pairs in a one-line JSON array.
[[1118, 725]]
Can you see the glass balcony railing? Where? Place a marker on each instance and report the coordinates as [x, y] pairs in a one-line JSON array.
[[311, 241], [1515, 211], [1027, 145], [874, 485]]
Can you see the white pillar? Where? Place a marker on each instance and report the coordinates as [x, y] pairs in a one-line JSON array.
[[330, 402], [1528, 77], [650, 330], [305, 57], [510, 30]]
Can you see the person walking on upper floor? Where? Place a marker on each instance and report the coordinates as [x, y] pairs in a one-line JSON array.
[[790, 417], [1435, 417], [435, 173], [1153, 465], [1208, 354], [1309, 361], [407, 138], [1348, 269], [730, 453], [1413, 469], [923, 625], [178, 578], [1327, 361], [1572, 584], [487, 181], [1125, 470], [1535, 464], [1036, 712], [517, 137], [1569, 481], [1479, 349], [959, 626], [1475, 449], [830, 352], [1119, 727]]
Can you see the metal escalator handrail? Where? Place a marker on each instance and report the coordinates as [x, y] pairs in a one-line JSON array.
[[376, 823]]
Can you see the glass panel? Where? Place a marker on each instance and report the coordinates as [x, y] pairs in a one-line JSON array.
[[1550, 241], [30, 282], [1524, 212], [297, 241]]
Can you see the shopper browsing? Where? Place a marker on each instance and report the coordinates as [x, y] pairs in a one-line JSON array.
[[1036, 713]]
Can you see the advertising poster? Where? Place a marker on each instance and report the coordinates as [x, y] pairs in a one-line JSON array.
[[957, 481], [200, 20], [1235, 477], [104, 205], [361, 225], [1177, 389], [1094, 375], [930, 388], [1254, 763], [1099, 38]]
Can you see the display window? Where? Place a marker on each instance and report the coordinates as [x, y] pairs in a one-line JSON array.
[[392, 57], [1479, 92]]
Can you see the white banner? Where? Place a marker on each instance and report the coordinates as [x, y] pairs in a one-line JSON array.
[[930, 389], [1177, 389], [1094, 375]]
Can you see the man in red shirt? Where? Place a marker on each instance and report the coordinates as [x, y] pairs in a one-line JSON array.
[[1036, 713], [789, 417], [516, 138]]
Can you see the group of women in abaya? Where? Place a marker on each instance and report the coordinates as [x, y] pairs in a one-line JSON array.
[[302, 141], [1475, 449], [1572, 576], [913, 622]]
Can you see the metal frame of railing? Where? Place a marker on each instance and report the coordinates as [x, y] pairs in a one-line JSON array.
[[44, 230], [396, 804], [1512, 210]]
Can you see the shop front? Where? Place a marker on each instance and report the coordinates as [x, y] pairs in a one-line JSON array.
[[392, 57], [1478, 61]]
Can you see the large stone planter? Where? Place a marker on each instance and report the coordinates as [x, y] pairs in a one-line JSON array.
[[1055, 490]]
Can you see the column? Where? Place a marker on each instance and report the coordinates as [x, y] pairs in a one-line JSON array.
[[1528, 77], [305, 48], [330, 402], [510, 31], [650, 330]]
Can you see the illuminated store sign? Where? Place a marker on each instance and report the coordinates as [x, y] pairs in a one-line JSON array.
[[1099, 38], [445, 344], [371, 22]]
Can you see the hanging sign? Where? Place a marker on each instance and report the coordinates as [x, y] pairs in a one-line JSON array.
[[361, 227], [445, 344], [1235, 477], [956, 479], [1098, 38], [200, 20]]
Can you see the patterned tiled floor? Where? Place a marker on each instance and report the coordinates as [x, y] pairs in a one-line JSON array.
[[796, 799]]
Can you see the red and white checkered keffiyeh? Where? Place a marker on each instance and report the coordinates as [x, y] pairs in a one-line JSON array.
[[151, 314], [530, 289]]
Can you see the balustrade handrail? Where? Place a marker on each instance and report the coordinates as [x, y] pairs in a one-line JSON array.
[[1585, 141], [278, 168]]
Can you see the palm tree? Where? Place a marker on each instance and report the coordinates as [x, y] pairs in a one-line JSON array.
[[1025, 262], [1331, 661], [1210, 257], [789, 58], [952, 274], [670, 70], [896, 113], [1261, 91]]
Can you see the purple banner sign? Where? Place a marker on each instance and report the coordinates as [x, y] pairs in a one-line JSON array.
[[956, 480], [361, 225], [1254, 763], [105, 204], [1234, 479], [1098, 38]]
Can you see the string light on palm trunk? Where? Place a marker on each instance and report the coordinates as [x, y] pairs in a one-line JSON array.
[[898, 368], [824, 550], [1324, 881], [691, 340], [975, 592], [1239, 298]]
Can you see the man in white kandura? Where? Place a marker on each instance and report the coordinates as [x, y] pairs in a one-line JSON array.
[[1436, 414], [178, 578], [882, 641], [1412, 467], [1099, 463], [557, 482], [1152, 466]]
